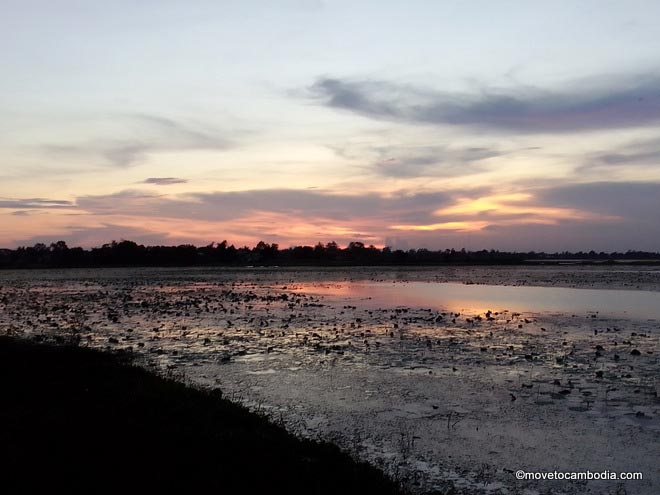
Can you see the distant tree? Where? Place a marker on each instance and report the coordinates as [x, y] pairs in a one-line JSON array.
[[59, 246], [129, 253]]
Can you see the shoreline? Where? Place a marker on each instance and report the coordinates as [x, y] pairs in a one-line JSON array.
[[620, 277], [86, 421]]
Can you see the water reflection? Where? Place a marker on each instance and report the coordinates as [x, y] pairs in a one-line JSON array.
[[481, 298]]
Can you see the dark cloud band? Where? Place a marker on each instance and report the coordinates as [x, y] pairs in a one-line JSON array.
[[628, 102], [164, 181]]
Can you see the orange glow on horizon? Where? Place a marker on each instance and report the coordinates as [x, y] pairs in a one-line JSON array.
[[500, 205], [144, 221], [496, 208], [457, 226], [93, 230]]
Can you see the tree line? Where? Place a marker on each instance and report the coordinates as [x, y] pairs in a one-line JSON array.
[[129, 253]]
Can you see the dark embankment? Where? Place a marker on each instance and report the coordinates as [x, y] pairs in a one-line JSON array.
[[79, 421]]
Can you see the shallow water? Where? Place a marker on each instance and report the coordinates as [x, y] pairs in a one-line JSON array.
[[372, 360], [482, 298]]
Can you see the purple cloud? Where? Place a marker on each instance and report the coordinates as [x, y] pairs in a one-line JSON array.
[[619, 103], [164, 181], [35, 203]]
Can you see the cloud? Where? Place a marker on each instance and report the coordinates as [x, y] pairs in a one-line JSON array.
[[568, 236], [35, 204], [139, 136], [182, 131], [164, 181], [442, 161], [636, 202], [600, 216], [596, 104], [519, 221], [640, 153], [603, 216], [124, 154], [421, 160], [218, 206]]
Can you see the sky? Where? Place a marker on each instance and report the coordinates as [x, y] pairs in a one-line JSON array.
[[510, 125]]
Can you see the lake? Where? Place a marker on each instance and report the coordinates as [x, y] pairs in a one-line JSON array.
[[481, 298]]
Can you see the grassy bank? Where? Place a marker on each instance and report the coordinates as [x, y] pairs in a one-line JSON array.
[[79, 421]]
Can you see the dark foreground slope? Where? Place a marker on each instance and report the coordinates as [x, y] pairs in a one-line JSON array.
[[78, 421]]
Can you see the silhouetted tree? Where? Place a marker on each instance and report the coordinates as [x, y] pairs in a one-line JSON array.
[[129, 253]]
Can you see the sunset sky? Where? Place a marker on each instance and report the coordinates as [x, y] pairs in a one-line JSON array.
[[516, 125]]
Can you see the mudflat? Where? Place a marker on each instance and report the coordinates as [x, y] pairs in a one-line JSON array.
[[449, 390], [80, 421]]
